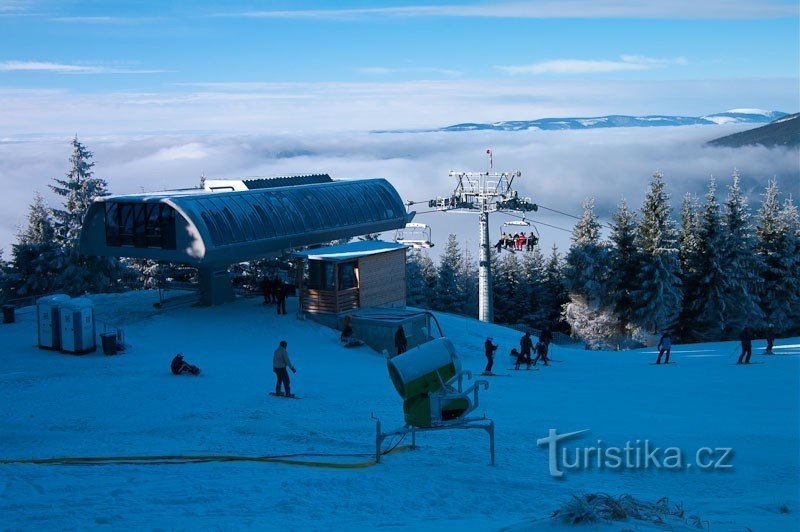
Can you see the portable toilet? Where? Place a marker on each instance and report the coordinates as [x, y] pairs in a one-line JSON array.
[[48, 320], [77, 326]]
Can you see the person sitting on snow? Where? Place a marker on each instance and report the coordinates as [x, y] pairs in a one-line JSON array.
[[519, 358], [180, 366]]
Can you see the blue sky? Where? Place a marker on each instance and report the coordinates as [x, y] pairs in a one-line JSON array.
[[152, 66]]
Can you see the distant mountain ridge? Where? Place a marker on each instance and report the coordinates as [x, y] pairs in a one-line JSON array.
[[784, 131], [740, 116]]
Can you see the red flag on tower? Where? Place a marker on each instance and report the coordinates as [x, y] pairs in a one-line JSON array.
[[489, 153]]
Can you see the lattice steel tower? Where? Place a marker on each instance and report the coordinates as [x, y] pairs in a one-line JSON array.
[[483, 193]]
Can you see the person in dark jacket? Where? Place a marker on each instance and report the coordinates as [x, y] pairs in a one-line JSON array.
[[526, 345], [541, 353], [280, 295], [400, 341], [664, 346], [746, 338], [266, 289], [489, 348], [179, 366]]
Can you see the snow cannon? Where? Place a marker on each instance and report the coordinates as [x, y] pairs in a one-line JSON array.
[[429, 379]]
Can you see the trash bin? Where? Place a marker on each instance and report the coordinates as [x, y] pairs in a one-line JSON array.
[[8, 313], [109, 341]]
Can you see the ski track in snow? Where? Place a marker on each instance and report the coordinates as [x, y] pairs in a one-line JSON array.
[[60, 405]]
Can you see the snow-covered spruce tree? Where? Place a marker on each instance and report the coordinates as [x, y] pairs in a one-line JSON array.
[[468, 275], [740, 264], [688, 256], [555, 290], [536, 306], [586, 278], [34, 251], [708, 303], [5, 279], [77, 273], [657, 294], [510, 293], [776, 244], [624, 266], [449, 294], [790, 224], [420, 279]]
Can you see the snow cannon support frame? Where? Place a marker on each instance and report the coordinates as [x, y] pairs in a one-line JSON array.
[[482, 423]]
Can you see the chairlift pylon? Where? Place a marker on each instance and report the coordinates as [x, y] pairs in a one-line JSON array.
[[416, 235]]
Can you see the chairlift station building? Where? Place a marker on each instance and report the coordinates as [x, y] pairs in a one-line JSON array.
[[234, 221]]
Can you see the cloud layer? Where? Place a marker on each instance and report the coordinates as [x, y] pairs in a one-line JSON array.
[[560, 168], [542, 9]]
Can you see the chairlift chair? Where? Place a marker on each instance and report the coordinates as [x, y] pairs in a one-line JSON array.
[[516, 226], [414, 234]]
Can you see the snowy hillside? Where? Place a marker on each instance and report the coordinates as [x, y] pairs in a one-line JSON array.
[[58, 405]]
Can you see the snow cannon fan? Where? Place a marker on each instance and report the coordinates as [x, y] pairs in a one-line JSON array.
[[429, 378]]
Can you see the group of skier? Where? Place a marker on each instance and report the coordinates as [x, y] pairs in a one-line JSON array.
[[745, 338], [516, 242], [275, 291], [523, 355]]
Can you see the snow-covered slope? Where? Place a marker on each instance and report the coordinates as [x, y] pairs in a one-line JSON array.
[[59, 405]]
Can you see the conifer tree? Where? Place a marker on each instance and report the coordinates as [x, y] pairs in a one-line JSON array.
[[690, 268], [509, 290], [78, 273], [586, 277], [740, 264], [708, 304], [449, 293], [657, 293], [777, 247], [34, 251], [5, 279], [536, 305], [469, 280], [555, 289], [420, 279], [624, 266]]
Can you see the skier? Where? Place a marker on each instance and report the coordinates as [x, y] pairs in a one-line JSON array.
[[266, 288], [519, 358], [664, 346], [770, 339], [746, 339], [280, 361], [179, 366], [280, 296], [546, 337], [526, 345], [489, 349], [400, 341], [541, 353]]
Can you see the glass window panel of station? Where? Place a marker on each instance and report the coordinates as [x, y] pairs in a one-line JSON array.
[[356, 203], [125, 218], [112, 224], [347, 275]]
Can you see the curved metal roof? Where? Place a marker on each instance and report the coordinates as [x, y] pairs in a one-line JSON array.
[[237, 217], [226, 227]]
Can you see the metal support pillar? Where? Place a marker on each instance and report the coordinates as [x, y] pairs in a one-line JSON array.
[[485, 300]]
